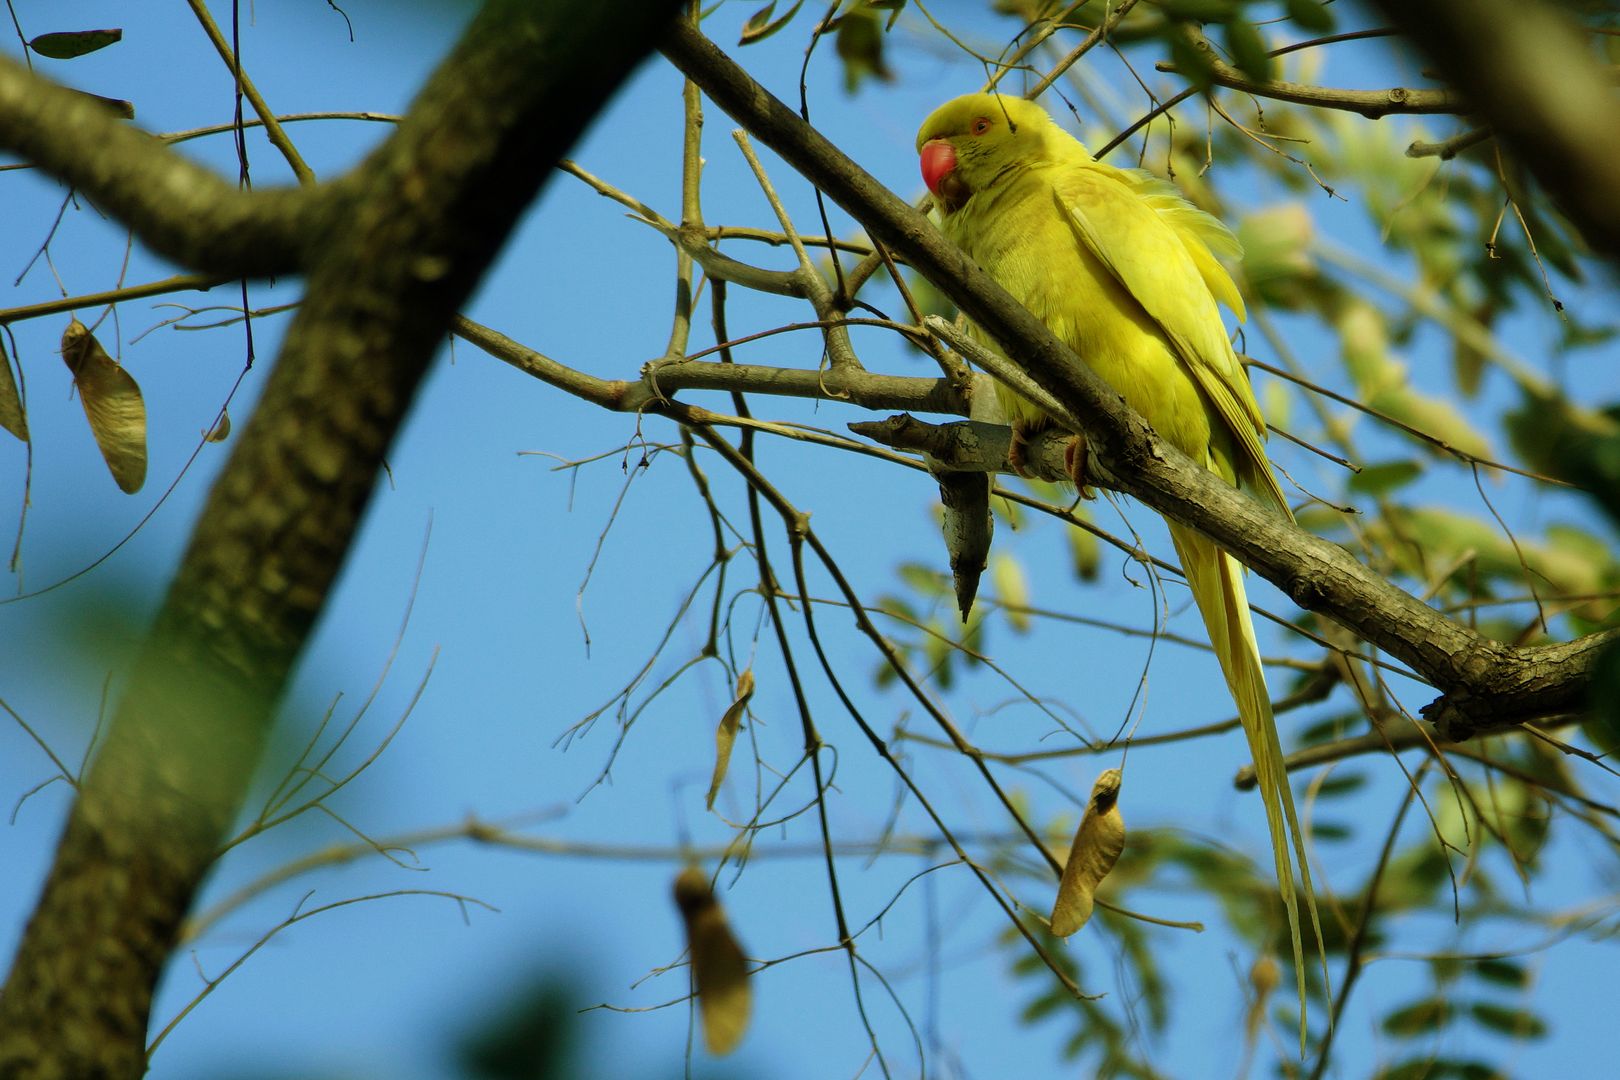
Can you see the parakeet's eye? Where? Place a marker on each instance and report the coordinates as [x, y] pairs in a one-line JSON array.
[[981, 125]]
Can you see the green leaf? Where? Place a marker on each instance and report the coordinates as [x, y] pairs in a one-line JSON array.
[[1310, 15], [1276, 252], [1200, 10], [860, 44], [1330, 831], [893, 7], [1433, 416], [1012, 590], [1085, 550], [1502, 973], [1248, 50], [760, 25], [1477, 1070], [1384, 477], [71, 43], [1425, 1068], [923, 578], [120, 108], [1517, 1023], [1341, 784], [1418, 1018], [1571, 442], [1191, 61]]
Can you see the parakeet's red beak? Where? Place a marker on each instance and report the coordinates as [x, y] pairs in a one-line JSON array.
[[938, 162], [939, 173]]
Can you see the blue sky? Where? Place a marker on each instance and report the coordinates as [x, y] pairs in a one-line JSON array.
[[505, 540]]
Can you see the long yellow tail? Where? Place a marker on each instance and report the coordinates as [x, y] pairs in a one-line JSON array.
[[1216, 580]]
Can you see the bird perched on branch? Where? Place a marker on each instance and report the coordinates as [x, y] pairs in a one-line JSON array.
[[1122, 269]]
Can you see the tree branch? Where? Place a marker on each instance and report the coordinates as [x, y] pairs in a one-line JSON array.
[[1485, 684], [1527, 71], [179, 209], [441, 196], [1373, 104]]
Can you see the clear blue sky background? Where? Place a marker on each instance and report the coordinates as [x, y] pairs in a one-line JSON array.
[[383, 989]]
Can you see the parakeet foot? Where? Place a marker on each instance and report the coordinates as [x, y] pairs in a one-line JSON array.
[[1016, 457], [1075, 453]]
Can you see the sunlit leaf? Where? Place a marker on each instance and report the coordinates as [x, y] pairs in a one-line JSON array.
[[1012, 589], [1085, 550], [760, 25], [12, 417], [1433, 416], [1097, 844], [893, 7], [1277, 251], [923, 578], [726, 735], [71, 43], [112, 403], [719, 971]]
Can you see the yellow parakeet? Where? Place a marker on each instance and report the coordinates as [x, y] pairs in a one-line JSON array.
[[1122, 269]]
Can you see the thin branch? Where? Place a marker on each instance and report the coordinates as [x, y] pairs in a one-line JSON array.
[[1485, 684], [272, 128], [179, 209], [1372, 104]]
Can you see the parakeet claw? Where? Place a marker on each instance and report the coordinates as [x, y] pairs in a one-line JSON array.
[[1021, 431], [1074, 463]]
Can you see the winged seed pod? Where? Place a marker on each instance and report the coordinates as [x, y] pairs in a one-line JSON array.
[[718, 969], [112, 403], [726, 734], [1097, 844], [12, 417]]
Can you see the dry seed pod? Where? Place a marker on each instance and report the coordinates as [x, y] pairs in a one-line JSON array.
[[221, 429], [718, 968], [726, 734], [1097, 844], [112, 403], [12, 417]]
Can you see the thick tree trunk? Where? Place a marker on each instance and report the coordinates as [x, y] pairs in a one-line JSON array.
[[401, 244]]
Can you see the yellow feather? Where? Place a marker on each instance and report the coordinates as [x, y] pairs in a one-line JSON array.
[[1122, 269]]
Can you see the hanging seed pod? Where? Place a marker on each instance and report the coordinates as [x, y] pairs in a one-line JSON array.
[[1097, 844], [726, 734], [112, 403], [719, 971]]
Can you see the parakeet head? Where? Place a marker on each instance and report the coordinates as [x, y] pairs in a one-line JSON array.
[[971, 142]]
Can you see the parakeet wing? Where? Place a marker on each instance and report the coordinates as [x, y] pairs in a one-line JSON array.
[[1151, 259]]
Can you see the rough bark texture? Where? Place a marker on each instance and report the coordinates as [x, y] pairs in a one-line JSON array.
[[404, 241], [1485, 684]]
